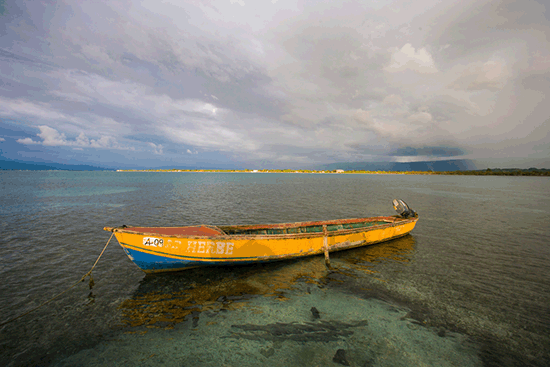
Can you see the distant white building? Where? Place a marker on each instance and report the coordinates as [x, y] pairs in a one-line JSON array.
[[255, 170], [339, 171]]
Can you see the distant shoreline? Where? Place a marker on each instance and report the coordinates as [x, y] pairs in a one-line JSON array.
[[486, 172]]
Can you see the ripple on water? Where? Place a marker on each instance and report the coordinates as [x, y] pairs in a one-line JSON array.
[[477, 264]]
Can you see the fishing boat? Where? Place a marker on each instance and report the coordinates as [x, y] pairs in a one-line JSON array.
[[160, 249]]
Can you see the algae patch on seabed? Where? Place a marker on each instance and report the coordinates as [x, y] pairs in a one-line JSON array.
[[168, 308]]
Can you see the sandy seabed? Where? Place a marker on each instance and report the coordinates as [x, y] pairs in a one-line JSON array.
[[311, 326]]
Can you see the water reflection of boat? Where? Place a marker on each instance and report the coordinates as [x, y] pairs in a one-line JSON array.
[[166, 300], [399, 250], [162, 301], [158, 249]]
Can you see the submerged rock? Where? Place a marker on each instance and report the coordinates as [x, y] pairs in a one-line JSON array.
[[340, 357], [267, 352], [195, 316], [315, 313]]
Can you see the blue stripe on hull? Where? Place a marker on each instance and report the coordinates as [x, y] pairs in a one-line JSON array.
[[154, 263]]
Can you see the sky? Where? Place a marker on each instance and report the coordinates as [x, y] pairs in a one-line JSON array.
[[275, 83]]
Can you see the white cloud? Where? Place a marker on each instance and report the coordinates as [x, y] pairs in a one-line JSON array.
[[157, 148], [52, 137], [105, 142], [421, 117], [73, 97], [46, 113], [82, 140], [362, 116], [491, 75], [20, 107], [407, 58], [393, 100], [2, 139], [27, 141]]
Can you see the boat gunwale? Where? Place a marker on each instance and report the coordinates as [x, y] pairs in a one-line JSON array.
[[391, 221]]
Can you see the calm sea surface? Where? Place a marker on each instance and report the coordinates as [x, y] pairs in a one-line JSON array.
[[469, 287]]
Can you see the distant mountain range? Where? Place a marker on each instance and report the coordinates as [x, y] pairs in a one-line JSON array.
[[437, 166], [7, 164]]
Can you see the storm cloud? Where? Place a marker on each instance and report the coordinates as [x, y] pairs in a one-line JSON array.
[[276, 83]]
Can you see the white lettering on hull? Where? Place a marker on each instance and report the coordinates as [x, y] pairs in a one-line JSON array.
[[210, 247], [198, 247]]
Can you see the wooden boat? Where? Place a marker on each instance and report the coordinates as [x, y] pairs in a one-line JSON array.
[[159, 249]]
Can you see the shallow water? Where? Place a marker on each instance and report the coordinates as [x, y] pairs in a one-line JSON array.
[[470, 286]]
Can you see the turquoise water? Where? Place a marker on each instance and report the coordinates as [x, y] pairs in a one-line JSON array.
[[469, 287]]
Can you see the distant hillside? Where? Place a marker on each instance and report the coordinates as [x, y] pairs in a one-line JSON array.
[[436, 166], [503, 172], [43, 166]]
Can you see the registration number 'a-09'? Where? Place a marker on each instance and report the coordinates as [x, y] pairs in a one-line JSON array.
[[152, 241]]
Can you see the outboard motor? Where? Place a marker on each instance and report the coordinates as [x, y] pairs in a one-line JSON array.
[[403, 209]]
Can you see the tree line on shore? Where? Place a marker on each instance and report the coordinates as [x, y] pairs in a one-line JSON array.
[[502, 172]]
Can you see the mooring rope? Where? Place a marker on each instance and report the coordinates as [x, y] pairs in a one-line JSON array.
[[72, 286]]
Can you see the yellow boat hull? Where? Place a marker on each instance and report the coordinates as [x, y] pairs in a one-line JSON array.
[[159, 249]]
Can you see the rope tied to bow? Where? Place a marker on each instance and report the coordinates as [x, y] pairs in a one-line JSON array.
[[91, 284]]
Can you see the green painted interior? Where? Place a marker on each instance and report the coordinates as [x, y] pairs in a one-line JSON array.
[[304, 229]]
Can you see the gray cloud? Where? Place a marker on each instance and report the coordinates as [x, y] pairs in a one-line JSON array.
[[439, 151]]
